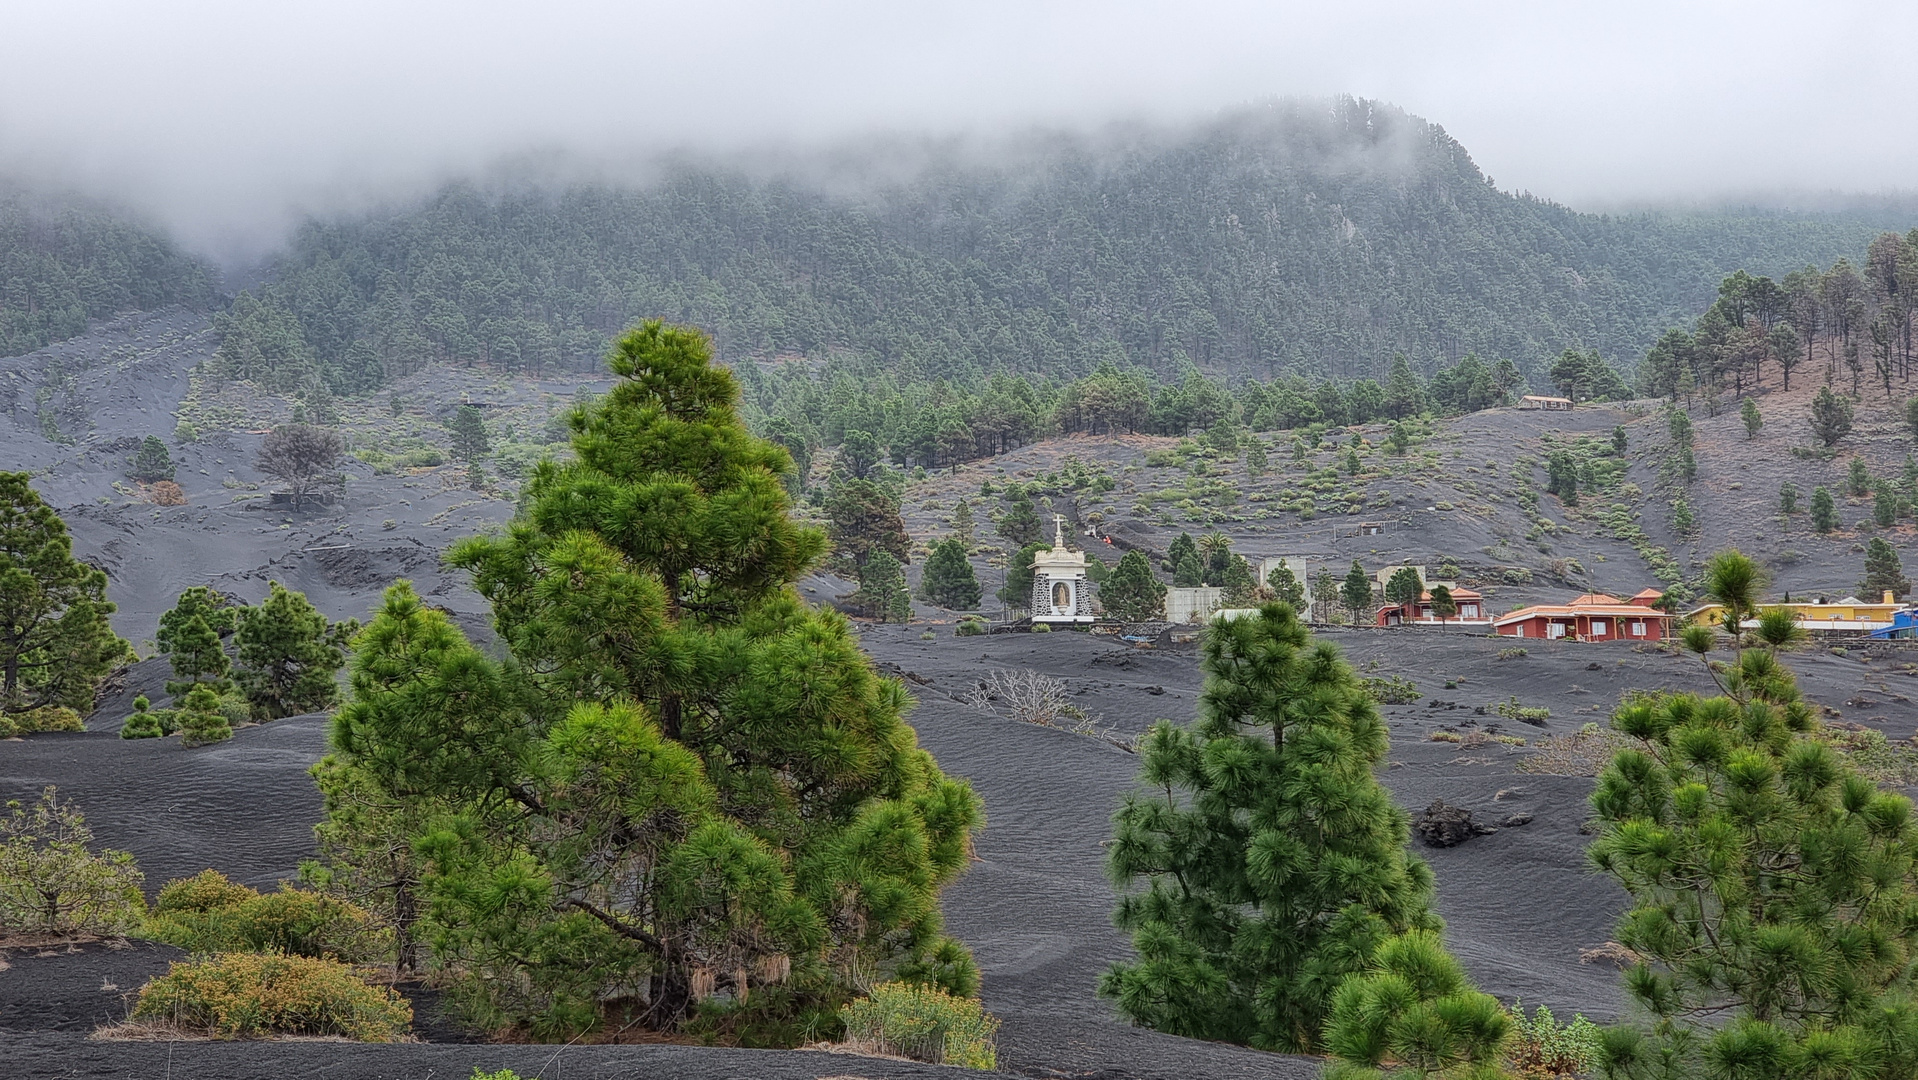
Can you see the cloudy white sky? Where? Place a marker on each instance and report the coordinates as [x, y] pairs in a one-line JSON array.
[[224, 117]]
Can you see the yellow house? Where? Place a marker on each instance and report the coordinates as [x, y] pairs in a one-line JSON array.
[[1847, 616]]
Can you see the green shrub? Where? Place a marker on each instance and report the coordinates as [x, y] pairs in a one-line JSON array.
[[1512, 710], [207, 913], [53, 883], [254, 995], [970, 628], [235, 708], [1041, 628], [424, 457], [923, 1023], [1391, 690], [1512, 653], [1541, 1047], [48, 718], [208, 890]]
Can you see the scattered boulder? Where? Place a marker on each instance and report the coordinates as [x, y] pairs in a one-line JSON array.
[[1443, 825]]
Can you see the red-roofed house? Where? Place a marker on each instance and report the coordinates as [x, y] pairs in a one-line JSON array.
[[1591, 617], [1471, 611]]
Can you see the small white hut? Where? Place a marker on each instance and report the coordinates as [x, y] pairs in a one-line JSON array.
[[1060, 593]]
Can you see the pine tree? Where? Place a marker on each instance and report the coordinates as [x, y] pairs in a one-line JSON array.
[[1443, 605], [948, 580], [1883, 571], [1618, 440], [1130, 593], [1020, 523], [686, 780], [962, 523], [1770, 883], [198, 658], [1857, 479], [288, 655], [142, 724], [55, 643], [1679, 423], [1824, 510], [865, 519], [1017, 591], [199, 602], [1189, 573], [1830, 417], [1404, 586], [152, 463], [1356, 592], [200, 718], [1683, 523], [882, 589], [1414, 1010], [1788, 498], [1287, 587], [1182, 545], [468, 430], [1325, 593], [1255, 457], [1748, 411], [1884, 506], [1273, 862]]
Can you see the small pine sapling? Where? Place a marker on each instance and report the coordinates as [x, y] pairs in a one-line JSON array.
[[201, 719]]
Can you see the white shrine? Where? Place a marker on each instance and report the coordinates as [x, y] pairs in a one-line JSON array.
[[1060, 593]]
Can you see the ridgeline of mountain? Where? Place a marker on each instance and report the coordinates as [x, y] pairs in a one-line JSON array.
[[1313, 237], [65, 264], [1309, 237]]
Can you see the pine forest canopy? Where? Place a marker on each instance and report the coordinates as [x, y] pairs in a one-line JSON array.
[[63, 265], [1314, 237]]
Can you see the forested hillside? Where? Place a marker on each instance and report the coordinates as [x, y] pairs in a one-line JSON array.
[[62, 265], [1315, 238]]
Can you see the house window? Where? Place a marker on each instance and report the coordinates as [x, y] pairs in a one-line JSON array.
[[1638, 629], [1598, 627], [1468, 611], [1555, 630]]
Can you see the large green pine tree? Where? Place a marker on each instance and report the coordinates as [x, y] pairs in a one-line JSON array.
[[1020, 523], [949, 580], [683, 781], [1273, 862], [1131, 593], [1883, 571], [198, 658], [468, 430], [199, 602], [1356, 591], [865, 519], [289, 656], [55, 643], [152, 463], [1773, 904], [1287, 587], [882, 589]]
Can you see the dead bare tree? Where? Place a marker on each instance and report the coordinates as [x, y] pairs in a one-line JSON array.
[[1028, 696], [301, 456]]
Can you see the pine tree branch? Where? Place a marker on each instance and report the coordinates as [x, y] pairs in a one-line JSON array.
[[615, 924]]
